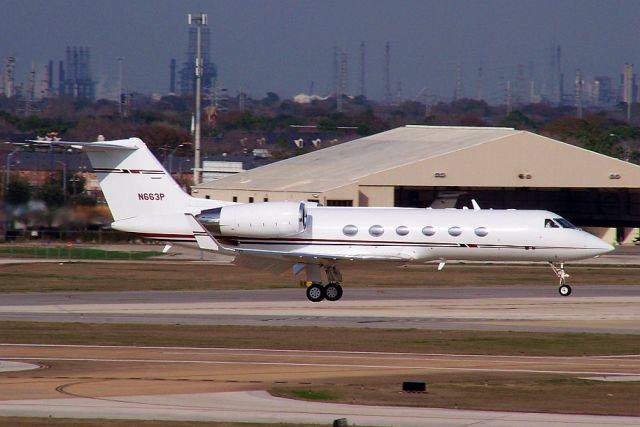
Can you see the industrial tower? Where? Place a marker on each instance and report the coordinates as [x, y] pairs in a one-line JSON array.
[[362, 70], [76, 79], [209, 69], [387, 74]]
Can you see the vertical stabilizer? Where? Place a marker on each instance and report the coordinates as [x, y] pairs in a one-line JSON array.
[[133, 181]]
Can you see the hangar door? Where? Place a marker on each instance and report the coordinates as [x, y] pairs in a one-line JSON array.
[[589, 207]]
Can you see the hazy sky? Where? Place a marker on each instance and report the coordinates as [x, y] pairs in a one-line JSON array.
[[284, 45]]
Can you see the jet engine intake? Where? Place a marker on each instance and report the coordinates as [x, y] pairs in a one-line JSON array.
[[269, 219]]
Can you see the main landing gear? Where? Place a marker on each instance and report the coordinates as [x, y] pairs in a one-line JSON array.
[[332, 291], [564, 289]]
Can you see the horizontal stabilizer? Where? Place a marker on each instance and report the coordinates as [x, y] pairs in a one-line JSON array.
[[203, 237], [124, 144]]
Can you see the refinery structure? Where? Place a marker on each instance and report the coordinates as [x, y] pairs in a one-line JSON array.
[[74, 78], [547, 81]]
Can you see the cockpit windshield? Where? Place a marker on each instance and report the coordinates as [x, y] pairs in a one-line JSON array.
[[564, 223], [557, 223]]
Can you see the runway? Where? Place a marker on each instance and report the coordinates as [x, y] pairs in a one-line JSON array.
[[591, 308], [225, 384]]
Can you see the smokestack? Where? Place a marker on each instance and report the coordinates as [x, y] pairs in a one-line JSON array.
[[387, 74], [172, 77]]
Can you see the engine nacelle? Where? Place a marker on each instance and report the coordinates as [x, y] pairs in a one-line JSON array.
[[269, 219]]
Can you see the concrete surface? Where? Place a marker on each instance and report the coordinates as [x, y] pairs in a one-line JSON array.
[[259, 406], [591, 308], [12, 366]]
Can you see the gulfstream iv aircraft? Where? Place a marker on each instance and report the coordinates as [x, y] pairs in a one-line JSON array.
[[316, 240]]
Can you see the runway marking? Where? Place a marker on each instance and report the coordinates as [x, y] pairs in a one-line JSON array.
[[326, 365], [426, 357], [266, 350]]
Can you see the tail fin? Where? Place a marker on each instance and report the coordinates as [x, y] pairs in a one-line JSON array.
[[133, 181]]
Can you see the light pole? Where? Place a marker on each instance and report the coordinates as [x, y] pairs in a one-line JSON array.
[[64, 179], [173, 152], [199, 21], [120, 97], [8, 170]]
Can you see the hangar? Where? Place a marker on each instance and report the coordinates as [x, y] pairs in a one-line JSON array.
[[421, 166]]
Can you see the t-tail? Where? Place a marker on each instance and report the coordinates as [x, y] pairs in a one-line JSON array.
[[141, 194]]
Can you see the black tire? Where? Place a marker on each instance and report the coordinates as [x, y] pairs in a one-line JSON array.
[[315, 293], [564, 290], [333, 292]]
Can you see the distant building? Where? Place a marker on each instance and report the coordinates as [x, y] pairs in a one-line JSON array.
[[222, 166], [602, 93]]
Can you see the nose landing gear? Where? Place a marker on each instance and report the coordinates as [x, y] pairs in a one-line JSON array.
[[564, 289]]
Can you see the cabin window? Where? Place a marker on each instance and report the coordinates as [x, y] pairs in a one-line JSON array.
[[403, 230], [428, 231], [481, 231], [549, 223], [376, 230], [350, 230], [455, 231], [564, 223]]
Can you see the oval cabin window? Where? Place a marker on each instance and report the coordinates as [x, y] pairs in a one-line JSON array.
[[428, 231], [402, 230], [481, 231], [376, 230], [350, 230], [455, 231]]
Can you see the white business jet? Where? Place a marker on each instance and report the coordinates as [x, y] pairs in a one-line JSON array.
[[317, 240]]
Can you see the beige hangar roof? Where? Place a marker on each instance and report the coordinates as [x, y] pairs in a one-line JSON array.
[[414, 155]]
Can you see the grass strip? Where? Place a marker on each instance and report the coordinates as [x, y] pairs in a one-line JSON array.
[[481, 391], [318, 338], [74, 253]]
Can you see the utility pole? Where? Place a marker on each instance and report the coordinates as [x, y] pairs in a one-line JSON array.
[[362, 70], [199, 21], [121, 98], [578, 93], [387, 74]]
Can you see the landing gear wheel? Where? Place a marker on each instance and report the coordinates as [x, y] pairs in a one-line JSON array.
[[333, 292], [315, 293], [564, 290]]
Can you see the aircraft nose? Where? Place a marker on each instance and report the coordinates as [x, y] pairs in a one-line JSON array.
[[599, 245]]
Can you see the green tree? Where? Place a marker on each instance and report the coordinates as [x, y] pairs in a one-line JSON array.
[[271, 99], [18, 191], [51, 193]]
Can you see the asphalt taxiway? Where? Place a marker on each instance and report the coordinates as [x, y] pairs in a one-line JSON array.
[[591, 308], [226, 384]]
